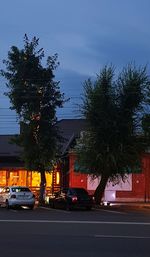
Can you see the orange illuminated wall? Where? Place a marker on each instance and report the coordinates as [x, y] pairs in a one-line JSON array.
[[3, 178], [48, 179], [12, 177], [35, 179]]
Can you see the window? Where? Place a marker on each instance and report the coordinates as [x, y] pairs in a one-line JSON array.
[[20, 189], [3, 177], [79, 191]]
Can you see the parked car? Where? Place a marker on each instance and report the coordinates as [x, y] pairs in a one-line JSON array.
[[71, 198], [13, 196]]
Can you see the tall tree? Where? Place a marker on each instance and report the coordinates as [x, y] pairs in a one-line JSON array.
[[35, 96], [114, 141]]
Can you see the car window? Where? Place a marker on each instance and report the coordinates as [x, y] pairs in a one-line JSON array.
[[79, 191], [71, 191], [20, 189]]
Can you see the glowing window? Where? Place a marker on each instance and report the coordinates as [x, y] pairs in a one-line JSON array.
[[57, 178]]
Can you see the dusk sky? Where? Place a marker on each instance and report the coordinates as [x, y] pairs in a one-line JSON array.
[[86, 34]]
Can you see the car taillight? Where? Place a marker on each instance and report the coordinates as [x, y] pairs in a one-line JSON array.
[[74, 198], [13, 196]]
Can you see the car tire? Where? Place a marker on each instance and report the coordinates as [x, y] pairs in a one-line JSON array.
[[31, 207], [68, 207], [89, 208], [53, 205], [7, 205]]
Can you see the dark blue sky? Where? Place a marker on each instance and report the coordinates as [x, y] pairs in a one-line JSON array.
[[86, 34]]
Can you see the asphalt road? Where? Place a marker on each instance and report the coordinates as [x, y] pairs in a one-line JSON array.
[[59, 233]]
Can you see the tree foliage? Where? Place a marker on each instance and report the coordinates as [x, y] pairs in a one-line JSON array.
[[35, 96], [114, 107]]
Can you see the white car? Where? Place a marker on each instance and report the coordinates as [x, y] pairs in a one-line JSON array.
[[13, 196]]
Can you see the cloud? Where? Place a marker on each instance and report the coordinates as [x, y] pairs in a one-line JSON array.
[[86, 35]]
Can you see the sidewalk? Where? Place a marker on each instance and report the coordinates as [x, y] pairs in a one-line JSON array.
[[125, 205]]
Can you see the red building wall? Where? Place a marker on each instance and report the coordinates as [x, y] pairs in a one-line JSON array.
[[76, 179], [138, 189], [146, 169], [140, 182]]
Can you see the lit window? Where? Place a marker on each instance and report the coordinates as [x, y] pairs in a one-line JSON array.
[[57, 178]]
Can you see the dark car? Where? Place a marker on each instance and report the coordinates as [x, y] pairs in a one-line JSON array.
[[71, 198]]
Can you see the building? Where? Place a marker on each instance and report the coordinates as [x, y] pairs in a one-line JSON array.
[[12, 171], [136, 187]]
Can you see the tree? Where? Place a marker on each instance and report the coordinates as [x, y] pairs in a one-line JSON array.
[[114, 141], [146, 128], [35, 96]]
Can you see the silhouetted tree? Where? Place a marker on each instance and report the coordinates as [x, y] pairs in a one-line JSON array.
[[35, 96], [114, 141]]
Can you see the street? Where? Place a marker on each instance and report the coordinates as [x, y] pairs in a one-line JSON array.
[[47, 232]]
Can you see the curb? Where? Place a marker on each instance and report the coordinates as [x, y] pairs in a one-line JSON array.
[[124, 206]]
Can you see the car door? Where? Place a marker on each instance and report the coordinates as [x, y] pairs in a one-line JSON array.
[[63, 198], [1, 196], [4, 195], [56, 200], [60, 199]]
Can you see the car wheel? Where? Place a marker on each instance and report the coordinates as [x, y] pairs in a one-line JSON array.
[[7, 205], [31, 207], [89, 208], [68, 207], [53, 205]]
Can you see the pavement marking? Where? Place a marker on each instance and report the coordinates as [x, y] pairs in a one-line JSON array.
[[57, 210], [95, 209], [13, 210], [76, 222], [120, 236], [111, 211], [45, 208]]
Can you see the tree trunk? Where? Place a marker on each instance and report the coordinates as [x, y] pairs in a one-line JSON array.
[[99, 192], [42, 188]]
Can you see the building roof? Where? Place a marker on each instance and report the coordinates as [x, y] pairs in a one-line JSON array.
[[69, 129], [7, 148]]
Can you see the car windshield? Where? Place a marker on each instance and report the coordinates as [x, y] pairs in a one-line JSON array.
[[79, 191], [20, 189]]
